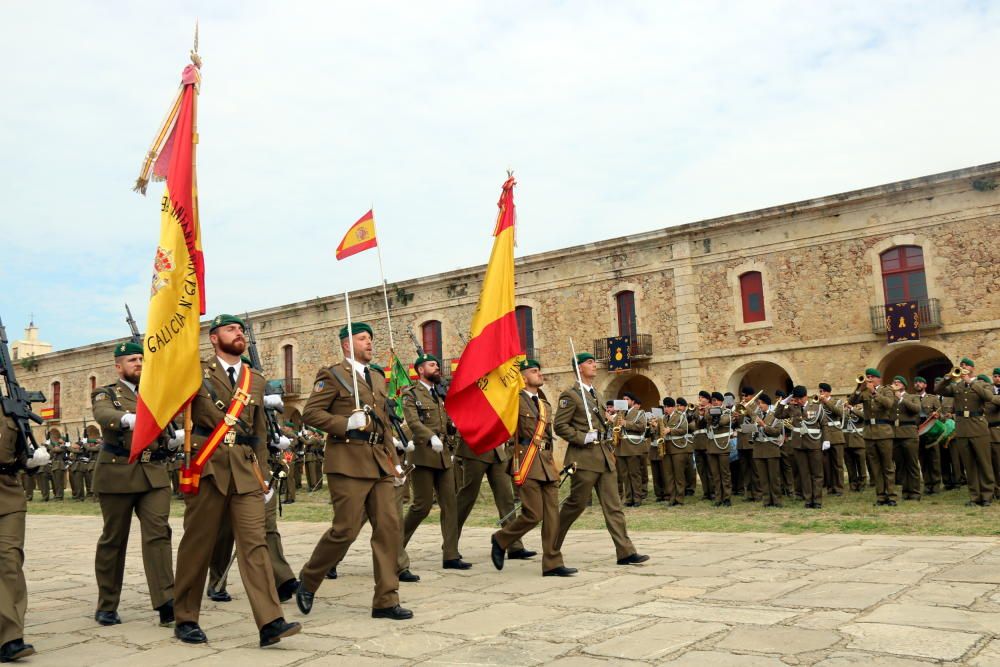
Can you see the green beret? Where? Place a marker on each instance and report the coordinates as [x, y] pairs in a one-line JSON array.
[[984, 377], [127, 349], [584, 356], [900, 378], [290, 424], [423, 358], [530, 363], [223, 320], [967, 362], [996, 371], [919, 378], [356, 328], [873, 372]]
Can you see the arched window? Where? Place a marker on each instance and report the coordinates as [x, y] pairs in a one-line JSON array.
[[752, 295], [56, 398], [431, 337], [287, 357], [903, 274], [525, 327], [626, 314]]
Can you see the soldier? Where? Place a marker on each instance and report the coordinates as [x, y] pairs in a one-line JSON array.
[[659, 456], [930, 452], [789, 473], [142, 488], [807, 418], [79, 458], [28, 485], [361, 464], [228, 414], [494, 466], [174, 466], [993, 421], [589, 447], [678, 448], [768, 439], [13, 508], [539, 478], [718, 429], [855, 449], [699, 422], [58, 450], [905, 415], [745, 428], [313, 463], [291, 453], [952, 469], [631, 446], [93, 449], [877, 400], [423, 408], [833, 419], [972, 431]]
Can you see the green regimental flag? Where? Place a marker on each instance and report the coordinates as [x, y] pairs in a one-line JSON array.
[[399, 380]]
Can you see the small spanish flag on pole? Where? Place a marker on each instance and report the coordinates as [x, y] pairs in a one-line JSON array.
[[483, 397], [361, 236]]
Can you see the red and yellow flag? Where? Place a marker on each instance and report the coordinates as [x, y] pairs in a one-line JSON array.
[[361, 236], [171, 373], [483, 397]]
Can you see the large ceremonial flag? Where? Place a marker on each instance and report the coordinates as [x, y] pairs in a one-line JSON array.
[[483, 397], [171, 373], [361, 236]]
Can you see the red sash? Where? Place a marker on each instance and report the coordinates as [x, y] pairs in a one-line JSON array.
[[521, 473], [191, 476]]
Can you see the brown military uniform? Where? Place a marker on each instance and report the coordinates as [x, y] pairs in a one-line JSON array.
[[313, 461], [632, 445], [854, 452], [700, 444], [678, 453], [993, 421], [905, 416], [718, 434], [595, 467], [768, 441], [930, 452], [471, 469], [749, 480], [659, 462], [360, 468], [230, 485], [58, 450], [833, 458], [972, 434], [141, 488], [540, 492], [878, 437], [13, 590]]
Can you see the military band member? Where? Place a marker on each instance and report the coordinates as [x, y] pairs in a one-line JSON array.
[[631, 446], [905, 416], [930, 452], [768, 439], [678, 445], [789, 471], [589, 447], [877, 400], [433, 474], [699, 429], [952, 468], [855, 457], [972, 431], [58, 450], [807, 418], [361, 467], [659, 456], [718, 429], [232, 484], [993, 421], [539, 490], [79, 459], [833, 458], [13, 508], [745, 428], [123, 489]]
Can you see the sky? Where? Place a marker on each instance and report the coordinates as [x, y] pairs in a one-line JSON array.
[[616, 117]]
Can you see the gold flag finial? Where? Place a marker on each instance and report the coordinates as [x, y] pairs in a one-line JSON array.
[[195, 58]]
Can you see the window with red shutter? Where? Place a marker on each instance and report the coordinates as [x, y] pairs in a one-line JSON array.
[[752, 296], [625, 302], [431, 335], [903, 274]]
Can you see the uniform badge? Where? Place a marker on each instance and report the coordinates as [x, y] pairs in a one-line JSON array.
[[563, 402], [122, 348], [319, 385]]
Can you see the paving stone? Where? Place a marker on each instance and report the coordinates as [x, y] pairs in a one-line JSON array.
[[720, 659], [578, 661], [352, 660], [909, 641], [989, 656], [826, 619], [655, 641], [605, 594], [852, 556], [779, 640], [965, 572], [93, 652], [406, 644], [844, 595], [929, 616], [583, 625], [755, 591], [506, 653], [491, 620], [162, 656], [950, 593], [675, 592], [852, 659], [713, 612]]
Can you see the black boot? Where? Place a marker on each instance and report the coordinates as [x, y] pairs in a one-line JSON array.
[[15, 649], [276, 630]]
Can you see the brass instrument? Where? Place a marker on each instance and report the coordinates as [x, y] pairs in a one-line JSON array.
[[956, 374], [616, 430], [743, 408]]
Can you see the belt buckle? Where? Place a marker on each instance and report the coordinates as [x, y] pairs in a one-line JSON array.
[[372, 439], [230, 438], [146, 456], [872, 422], [241, 396], [965, 413], [897, 423]]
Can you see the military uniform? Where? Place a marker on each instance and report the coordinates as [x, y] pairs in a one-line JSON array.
[[360, 468], [972, 434], [718, 433], [632, 445], [678, 453], [79, 461], [993, 421], [905, 416], [433, 473], [142, 488], [855, 458], [930, 452], [59, 451], [13, 590], [313, 461], [833, 458], [595, 467], [700, 445], [659, 461], [472, 467], [878, 438], [230, 486], [952, 469], [749, 479], [540, 491], [768, 441]]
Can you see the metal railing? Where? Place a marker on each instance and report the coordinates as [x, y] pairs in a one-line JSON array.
[[640, 347], [929, 309]]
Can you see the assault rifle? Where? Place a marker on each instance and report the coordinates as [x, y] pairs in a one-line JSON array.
[[16, 404], [273, 430]]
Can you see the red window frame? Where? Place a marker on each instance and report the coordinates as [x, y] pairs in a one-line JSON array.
[[903, 276], [752, 297], [525, 327], [430, 335], [625, 305]]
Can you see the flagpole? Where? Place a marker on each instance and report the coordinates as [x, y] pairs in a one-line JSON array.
[[385, 288], [196, 61], [354, 361]]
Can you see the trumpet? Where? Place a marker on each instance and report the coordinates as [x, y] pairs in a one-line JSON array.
[[956, 374], [745, 406], [814, 398], [861, 379]]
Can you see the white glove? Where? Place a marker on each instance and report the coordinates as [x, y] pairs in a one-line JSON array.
[[356, 422], [826, 445], [401, 480], [128, 421], [590, 437], [284, 443], [40, 458], [273, 401], [268, 495], [410, 446], [436, 444], [397, 443], [175, 442]]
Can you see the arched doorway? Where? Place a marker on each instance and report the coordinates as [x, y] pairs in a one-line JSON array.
[[760, 375], [914, 359], [642, 387], [93, 433], [55, 433]]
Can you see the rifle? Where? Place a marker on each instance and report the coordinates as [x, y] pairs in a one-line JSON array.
[[420, 350], [273, 431], [137, 339], [17, 403]]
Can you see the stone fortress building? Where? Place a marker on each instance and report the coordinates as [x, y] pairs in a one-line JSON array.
[[795, 292]]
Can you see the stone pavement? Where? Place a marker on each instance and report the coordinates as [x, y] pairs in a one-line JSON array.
[[743, 600]]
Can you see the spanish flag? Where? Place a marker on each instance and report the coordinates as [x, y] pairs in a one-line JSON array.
[[361, 236], [171, 373], [483, 397]]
